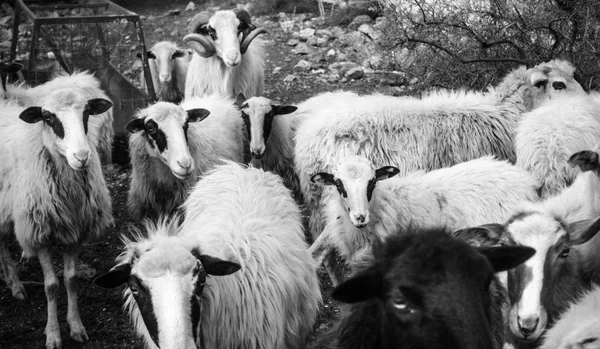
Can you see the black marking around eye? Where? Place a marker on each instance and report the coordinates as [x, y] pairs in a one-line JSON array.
[[370, 187], [268, 123], [86, 117], [186, 126], [144, 302], [53, 122], [340, 188], [159, 137], [246, 119], [195, 302], [518, 279]]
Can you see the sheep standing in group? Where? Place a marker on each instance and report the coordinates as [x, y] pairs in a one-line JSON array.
[[222, 62], [440, 130], [100, 126], [578, 327], [564, 232], [234, 217], [425, 290], [367, 207], [271, 138], [52, 193], [169, 148], [548, 135], [168, 68]]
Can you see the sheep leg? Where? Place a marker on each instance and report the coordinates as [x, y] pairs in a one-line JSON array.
[[53, 340], [10, 273], [78, 332], [333, 267]]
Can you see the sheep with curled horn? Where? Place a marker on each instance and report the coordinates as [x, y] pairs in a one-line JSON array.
[[224, 60]]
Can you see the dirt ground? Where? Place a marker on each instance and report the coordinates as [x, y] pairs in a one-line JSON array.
[[22, 322]]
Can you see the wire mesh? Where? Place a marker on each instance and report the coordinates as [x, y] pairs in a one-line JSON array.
[[93, 35]]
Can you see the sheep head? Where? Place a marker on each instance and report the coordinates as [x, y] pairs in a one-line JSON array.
[[355, 180], [220, 34], [5, 69]]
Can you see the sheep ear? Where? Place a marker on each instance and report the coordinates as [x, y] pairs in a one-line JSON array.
[[97, 106], [217, 266], [139, 55], [489, 233], [240, 99], [283, 109], [31, 115], [506, 257], [12, 68], [197, 115], [386, 172], [586, 160], [323, 178], [117, 276], [178, 54], [150, 55], [582, 231], [136, 125], [359, 288]]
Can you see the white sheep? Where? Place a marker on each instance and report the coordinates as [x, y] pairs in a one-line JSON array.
[[168, 68], [170, 148], [270, 134], [223, 62], [234, 217], [52, 193], [579, 326], [100, 127], [440, 130], [363, 208], [548, 135]]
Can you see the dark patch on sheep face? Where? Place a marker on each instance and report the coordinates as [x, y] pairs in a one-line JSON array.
[[54, 123], [370, 187], [246, 119], [143, 299], [198, 282], [339, 185], [157, 136], [419, 279], [518, 279]]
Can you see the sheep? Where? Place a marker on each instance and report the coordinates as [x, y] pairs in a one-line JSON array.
[[5, 69], [168, 68], [579, 326], [270, 135], [222, 62], [440, 130], [169, 148], [100, 127], [548, 135], [52, 193], [366, 206], [234, 217], [424, 289], [563, 230]]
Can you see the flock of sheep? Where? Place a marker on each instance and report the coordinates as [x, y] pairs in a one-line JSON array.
[[468, 219]]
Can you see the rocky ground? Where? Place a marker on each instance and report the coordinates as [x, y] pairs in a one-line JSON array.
[[305, 55]]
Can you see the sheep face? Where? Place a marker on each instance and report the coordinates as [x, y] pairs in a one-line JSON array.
[[165, 127], [535, 286], [549, 80], [64, 115], [355, 180], [258, 114], [165, 280], [164, 54], [420, 280]]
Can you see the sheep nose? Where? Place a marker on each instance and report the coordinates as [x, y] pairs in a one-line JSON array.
[[82, 156], [257, 154], [185, 164], [558, 85], [233, 58], [360, 218], [528, 325], [164, 77]]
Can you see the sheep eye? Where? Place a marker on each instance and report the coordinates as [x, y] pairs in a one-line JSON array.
[[540, 84], [565, 253], [47, 116], [150, 128], [558, 85], [134, 290], [400, 304], [212, 32]]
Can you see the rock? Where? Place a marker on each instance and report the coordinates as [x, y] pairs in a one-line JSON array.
[[352, 38], [303, 65], [173, 13], [358, 21], [276, 70], [293, 42], [322, 42], [295, 35], [302, 49], [340, 68], [381, 23], [331, 54], [175, 32], [190, 6], [413, 81], [336, 32], [289, 78], [318, 71], [333, 78], [368, 30], [355, 73], [306, 33], [324, 33], [375, 61], [317, 57], [312, 41]]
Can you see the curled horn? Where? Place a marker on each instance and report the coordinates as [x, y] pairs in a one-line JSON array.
[[198, 42], [249, 32]]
